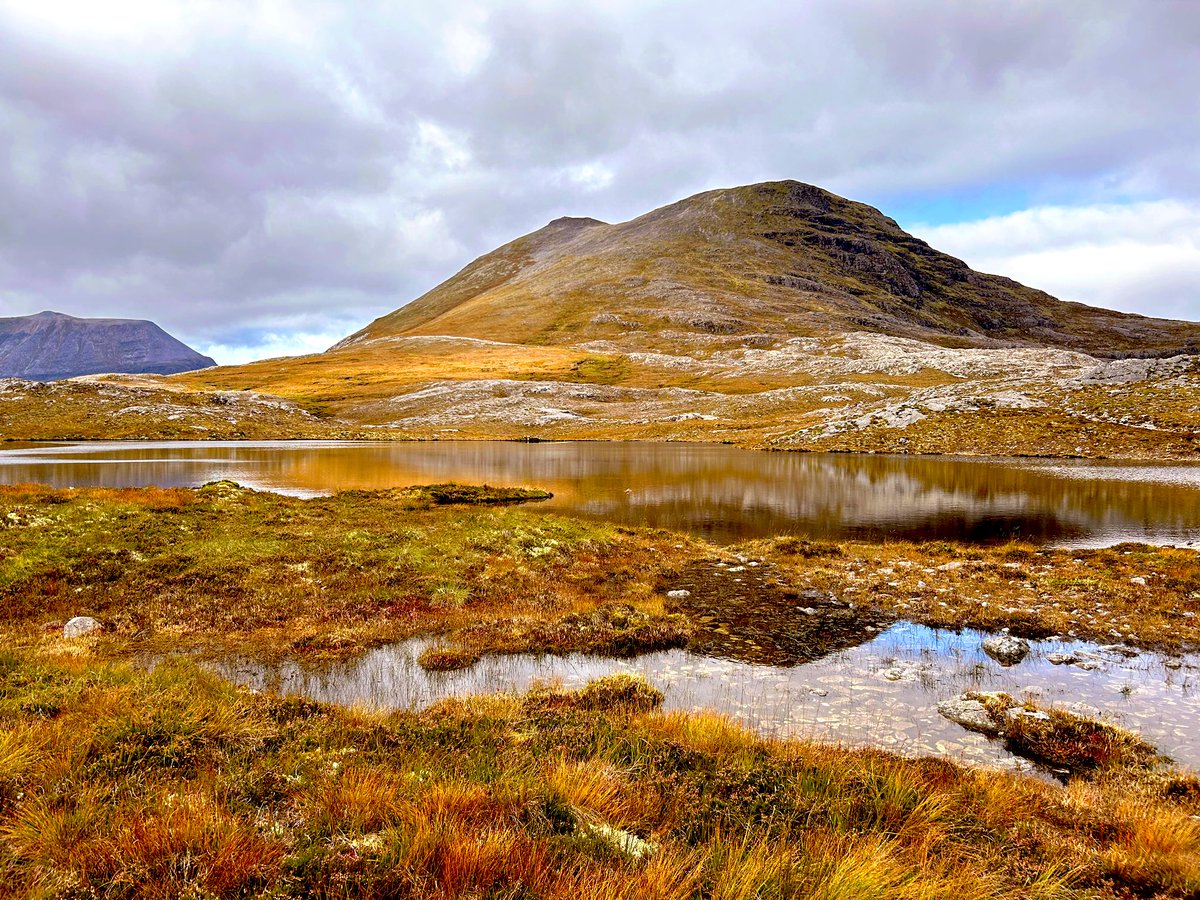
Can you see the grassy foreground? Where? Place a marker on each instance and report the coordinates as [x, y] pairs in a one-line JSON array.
[[115, 782], [118, 782]]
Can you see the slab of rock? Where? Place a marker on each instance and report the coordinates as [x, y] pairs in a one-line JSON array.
[[970, 714], [679, 594], [1006, 649], [80, 626]]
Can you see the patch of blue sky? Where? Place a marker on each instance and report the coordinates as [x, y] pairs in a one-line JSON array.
[[953, 207]]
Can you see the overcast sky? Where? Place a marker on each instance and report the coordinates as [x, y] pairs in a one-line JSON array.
[[264, 178]]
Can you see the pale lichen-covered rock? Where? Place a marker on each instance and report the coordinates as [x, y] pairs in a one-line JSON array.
[[627, 844], [970, 713], [1006, 649], [81, 626]]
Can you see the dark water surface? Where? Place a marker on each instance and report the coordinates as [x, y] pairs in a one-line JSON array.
[[882, 693], [720, 492]]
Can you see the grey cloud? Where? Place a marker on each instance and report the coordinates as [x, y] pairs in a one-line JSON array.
[[240, 176]]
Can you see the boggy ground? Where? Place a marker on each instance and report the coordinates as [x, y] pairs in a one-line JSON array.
[[118, 782], [223, 567]]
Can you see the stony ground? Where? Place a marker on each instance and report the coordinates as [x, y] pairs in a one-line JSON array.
[[859, 392], [854, 392]]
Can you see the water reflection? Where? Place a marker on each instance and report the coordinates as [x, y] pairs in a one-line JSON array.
[[883, 693], [721, 492]]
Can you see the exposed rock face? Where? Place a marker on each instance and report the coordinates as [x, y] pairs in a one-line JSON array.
[[50, 346], [970, 713]]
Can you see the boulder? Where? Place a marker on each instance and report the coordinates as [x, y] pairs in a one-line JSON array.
[[1006, 649], [970, 713], [80, 626]]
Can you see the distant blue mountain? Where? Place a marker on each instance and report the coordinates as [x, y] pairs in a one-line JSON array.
[[49, 346]]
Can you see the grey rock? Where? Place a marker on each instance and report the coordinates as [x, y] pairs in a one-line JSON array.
[[970, 714], [1062, 659], [80, 626], [1018, 712], [1006, 649], [814, 596], [679, 594]]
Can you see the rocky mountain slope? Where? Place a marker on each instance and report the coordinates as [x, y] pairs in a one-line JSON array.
[[50, 346], [775, 315], [758, 263]]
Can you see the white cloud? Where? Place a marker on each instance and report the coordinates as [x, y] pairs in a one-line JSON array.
[[270, 346], [1135, 257], [592, 176]]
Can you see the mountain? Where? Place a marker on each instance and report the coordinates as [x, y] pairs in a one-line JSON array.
[[50, 346], [780, 259], [774, 315]]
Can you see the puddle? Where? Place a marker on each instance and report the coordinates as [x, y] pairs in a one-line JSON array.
[[882, 693]]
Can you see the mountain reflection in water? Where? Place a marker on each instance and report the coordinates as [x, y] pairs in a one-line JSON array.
[[720, 492]]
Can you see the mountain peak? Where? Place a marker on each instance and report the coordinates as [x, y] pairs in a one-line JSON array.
[[574, 222], [771, 261]]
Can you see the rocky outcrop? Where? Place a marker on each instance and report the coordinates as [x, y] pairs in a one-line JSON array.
[[51, 346]]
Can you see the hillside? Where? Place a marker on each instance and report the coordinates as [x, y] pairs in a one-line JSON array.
[[773, 260], [50, 346], [775, 315]]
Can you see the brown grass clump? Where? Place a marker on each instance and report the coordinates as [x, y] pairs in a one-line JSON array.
[[1155, 849], [447, 659], [624, 693]]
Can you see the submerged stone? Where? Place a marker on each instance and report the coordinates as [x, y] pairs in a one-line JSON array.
[[1006, 649]]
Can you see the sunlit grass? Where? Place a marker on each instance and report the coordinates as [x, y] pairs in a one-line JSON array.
[[170, 783]]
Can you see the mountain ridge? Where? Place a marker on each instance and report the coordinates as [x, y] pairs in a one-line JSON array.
[[780, 257], [50, 346], [776, 315]]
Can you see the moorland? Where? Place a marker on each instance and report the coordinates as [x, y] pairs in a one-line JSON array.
[[774, 316]]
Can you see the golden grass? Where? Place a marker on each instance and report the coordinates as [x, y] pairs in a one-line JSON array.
[[452, 803]]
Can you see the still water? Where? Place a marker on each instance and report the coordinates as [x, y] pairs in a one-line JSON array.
[[882, 693], [719, 492]]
